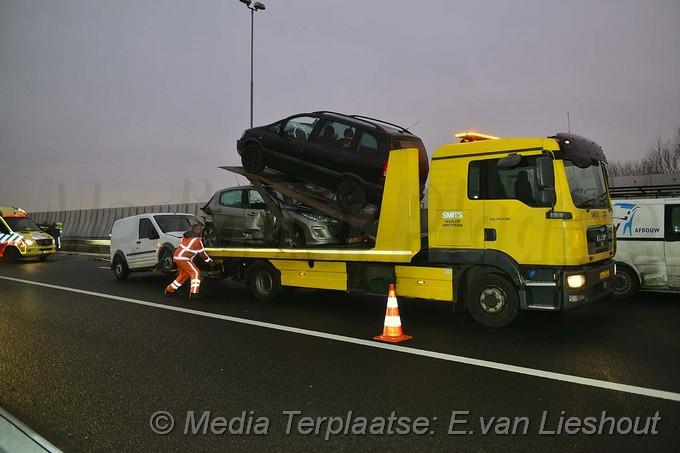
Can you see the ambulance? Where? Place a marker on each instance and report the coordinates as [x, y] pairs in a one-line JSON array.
[[648, 238], [21, 238]]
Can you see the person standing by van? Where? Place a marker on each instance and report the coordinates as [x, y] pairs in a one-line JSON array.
[[190, 246]]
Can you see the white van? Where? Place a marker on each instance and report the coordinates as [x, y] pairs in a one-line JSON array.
[[147, 242], [648, 244]]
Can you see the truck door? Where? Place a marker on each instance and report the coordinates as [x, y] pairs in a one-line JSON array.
[[145, 249], [672, 244]]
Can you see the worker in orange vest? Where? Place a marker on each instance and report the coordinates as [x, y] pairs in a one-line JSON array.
[[190, 246]]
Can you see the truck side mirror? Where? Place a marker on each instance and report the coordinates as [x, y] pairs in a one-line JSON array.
[[545, 175]]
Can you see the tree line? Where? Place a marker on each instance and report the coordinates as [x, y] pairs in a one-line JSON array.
[[662, 156]]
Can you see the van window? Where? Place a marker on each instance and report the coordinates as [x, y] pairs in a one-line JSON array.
[[3, 228], [169, 223], [368, 144], [673, 222], [147, 230], [18, 224], [232, 198]]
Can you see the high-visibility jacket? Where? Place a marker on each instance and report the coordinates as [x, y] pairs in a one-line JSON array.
[[190, 246]]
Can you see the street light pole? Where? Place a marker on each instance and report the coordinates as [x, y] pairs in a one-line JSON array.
[[256, 7]]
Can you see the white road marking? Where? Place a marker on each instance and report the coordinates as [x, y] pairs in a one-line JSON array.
[[661, 394]]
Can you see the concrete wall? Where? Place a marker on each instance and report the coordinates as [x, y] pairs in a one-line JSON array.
[[97, 223]]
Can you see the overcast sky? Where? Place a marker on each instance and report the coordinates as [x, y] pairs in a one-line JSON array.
[[132, 102]]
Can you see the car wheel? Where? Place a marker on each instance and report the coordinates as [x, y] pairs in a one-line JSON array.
[[209, 237], [351, 196], [493, 300], [625, 283], [11, 255], [252, 159], [120, 268], [165, 260], [298, 236], [264, 282]]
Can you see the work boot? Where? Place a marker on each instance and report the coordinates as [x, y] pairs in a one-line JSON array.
[[168, 293], [195, 296]]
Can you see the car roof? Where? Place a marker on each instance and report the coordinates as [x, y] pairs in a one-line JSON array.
[[359, 120]]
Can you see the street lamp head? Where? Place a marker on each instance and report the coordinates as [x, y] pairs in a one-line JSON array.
[[257, 6], [247, 2]]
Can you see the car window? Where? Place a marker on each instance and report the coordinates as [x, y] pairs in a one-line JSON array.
[[403, 143], [337, 134], [300, 127], [368, 144], [147, 230], [255, 200], [232, 198]]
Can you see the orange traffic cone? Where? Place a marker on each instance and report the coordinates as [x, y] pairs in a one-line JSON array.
[[392, 331]]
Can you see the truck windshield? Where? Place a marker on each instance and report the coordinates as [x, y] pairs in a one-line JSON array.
[[587, 186], [21, 224], [168, 223]]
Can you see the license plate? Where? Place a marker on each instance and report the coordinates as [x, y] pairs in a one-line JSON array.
[[604, 274]]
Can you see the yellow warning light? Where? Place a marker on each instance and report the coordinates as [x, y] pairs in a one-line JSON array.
[[471, 136]]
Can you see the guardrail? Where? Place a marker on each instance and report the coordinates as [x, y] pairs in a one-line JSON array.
[[89, 230]]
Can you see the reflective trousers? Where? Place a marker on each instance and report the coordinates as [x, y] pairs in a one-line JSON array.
[[186, 269]]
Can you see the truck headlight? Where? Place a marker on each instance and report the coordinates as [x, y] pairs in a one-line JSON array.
[[576, 281]]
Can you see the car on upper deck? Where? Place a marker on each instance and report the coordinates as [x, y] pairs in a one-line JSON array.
[[346, 154]]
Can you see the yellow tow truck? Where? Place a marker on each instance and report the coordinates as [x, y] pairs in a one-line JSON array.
[[512, 224]]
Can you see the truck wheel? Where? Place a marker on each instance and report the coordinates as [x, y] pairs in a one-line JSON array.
[[492, 300], [120, 268], [351, 196], [209, 237], [165, 260], [252, 159], [264, 282], [625, 283], [11, 255]]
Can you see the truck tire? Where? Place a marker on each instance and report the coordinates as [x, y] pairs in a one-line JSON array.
[[120, 268], [492, 300], [252, 159], [165, 260], [625, 283], [210, 237], [264, 282], [351, 196]]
